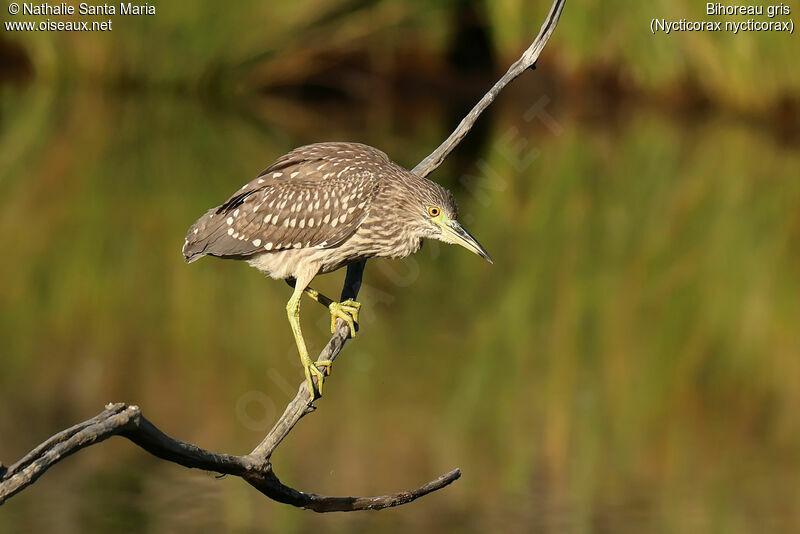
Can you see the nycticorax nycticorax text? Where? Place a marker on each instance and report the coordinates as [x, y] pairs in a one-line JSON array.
[[321, 207]]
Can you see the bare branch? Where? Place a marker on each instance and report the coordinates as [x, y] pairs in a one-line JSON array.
[[127, 420], [302, 403], [526, 61]]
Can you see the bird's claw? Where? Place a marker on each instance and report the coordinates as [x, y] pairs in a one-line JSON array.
[[319, 370], [347, 311]]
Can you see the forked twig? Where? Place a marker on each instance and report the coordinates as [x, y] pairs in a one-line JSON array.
[[127, 420]]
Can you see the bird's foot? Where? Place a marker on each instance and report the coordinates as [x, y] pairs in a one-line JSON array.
[[319, 370], [346, 311]]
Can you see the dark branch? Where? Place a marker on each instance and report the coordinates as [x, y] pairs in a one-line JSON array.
[[127, 420]]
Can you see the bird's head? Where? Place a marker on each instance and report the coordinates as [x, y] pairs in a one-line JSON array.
[[436, 215]]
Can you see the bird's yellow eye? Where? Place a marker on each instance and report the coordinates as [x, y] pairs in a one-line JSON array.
[[434, 211]]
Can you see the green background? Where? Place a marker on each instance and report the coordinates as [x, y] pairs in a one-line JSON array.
[[630, 363]]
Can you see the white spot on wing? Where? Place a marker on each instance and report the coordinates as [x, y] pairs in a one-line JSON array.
[[256, 242], [229, 220], [268, 246], [230, 231]]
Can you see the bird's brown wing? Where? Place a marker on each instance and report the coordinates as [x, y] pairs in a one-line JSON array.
[[314, 196]]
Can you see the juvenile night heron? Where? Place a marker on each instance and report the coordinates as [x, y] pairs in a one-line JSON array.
[[321, 207]]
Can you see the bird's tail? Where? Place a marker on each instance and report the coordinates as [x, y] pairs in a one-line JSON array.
[[191, 250], [197, 240]]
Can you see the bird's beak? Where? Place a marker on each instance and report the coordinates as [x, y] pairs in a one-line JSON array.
[[459, 236]]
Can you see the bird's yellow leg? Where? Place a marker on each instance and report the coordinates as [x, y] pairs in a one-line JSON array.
[[346, 310], [317, 369]]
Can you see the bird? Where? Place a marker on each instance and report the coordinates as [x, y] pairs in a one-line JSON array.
[[321, 207]]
